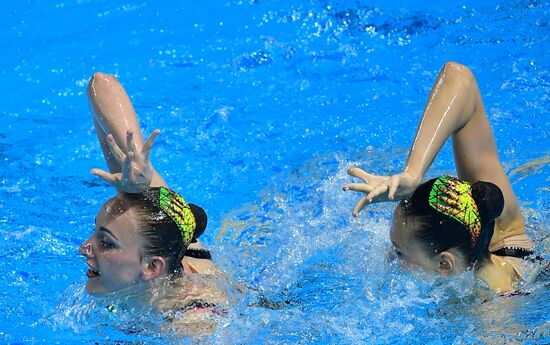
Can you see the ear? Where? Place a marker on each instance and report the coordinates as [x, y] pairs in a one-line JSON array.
[[153, 267], [447, 263]]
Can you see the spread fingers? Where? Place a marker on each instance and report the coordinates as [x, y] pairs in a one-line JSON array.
[[358, 187], [105, 176], [130, 141], [359, 206], [115, 149], [149, 143], [377, 191], [359, 173]]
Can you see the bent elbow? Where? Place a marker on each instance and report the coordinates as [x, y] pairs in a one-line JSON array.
[[102, 83], [457, 71]]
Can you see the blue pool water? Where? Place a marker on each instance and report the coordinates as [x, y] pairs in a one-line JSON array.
[[263, 105]]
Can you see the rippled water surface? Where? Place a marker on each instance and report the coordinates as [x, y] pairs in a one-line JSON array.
[[263, 105]]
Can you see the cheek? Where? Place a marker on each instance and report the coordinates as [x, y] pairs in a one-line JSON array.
[[422, 262], [121, 261], [407, 263], [122, 266], [407, 266], [415, 260]]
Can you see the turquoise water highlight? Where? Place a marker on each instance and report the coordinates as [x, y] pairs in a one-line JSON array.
[[263, 105]]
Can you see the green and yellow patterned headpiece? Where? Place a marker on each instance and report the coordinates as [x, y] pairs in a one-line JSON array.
[[176, 208], [453, 198]]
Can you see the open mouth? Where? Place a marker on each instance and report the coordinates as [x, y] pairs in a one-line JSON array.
[[92, 272]]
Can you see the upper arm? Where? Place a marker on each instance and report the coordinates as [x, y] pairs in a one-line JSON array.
[[476, 155], [114, 114]]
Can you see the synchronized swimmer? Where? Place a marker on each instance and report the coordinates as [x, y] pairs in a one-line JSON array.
[[448, 225], [148, 234], [146, 237]]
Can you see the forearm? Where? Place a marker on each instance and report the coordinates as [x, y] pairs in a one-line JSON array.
[[451, 104], [114, 114]]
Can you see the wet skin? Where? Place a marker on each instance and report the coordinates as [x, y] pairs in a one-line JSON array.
[[408, 250], [113, 251], [412, 254]]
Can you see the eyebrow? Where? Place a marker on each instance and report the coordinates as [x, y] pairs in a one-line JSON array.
[[109, 232]]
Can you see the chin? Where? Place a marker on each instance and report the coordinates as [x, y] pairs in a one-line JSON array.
[[94, 291]]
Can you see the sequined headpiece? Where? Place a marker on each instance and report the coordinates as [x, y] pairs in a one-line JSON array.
[[176, 208], [453, 198]]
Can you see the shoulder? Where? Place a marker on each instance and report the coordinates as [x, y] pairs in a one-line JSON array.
[[198, 259]]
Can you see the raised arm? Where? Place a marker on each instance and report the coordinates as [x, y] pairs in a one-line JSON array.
[[454, 108], [119, 134]]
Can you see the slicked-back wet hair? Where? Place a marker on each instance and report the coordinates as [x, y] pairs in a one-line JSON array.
[[437, 232], [160, 234]]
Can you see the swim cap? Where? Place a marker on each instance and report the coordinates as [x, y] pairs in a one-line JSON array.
[[453, 198], [176, 208]]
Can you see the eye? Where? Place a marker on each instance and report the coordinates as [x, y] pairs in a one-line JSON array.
[[398, 253], [105, 243]]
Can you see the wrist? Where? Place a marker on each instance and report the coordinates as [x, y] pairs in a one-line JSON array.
[[412, 175], [413, 180]]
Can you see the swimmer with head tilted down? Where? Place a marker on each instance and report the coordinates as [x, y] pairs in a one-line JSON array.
[[146, 237], [448, 225]]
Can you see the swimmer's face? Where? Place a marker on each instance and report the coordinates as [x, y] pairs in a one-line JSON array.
[[113, 251], [407, 248], [412, 253]]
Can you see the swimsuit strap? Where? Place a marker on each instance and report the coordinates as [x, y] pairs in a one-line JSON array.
[[198, 253], [198, 305], [195, 305], [516, 252]]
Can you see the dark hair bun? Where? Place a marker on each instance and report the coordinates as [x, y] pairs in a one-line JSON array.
[[489, 200], [201, 220]]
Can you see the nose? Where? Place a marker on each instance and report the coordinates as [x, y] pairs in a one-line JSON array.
[[390, 255], [86, 249]]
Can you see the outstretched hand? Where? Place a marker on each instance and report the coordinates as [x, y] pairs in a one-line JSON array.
[[380, 188], [137, 171]]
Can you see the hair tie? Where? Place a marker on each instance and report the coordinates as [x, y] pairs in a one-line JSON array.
[[176, 208], [453, 198]]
